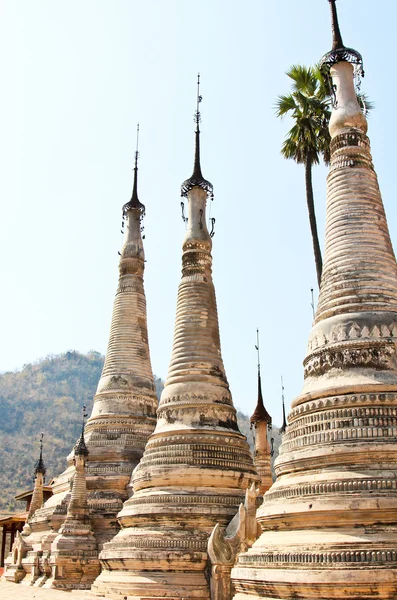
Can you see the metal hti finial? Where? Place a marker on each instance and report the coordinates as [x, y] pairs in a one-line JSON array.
[[197, 114], [312, 302], [39, 466], [134, 203], [137, 145], [257, 349], [197, 179], [80, 448], [284, 425], [339, 52], [336, 34]]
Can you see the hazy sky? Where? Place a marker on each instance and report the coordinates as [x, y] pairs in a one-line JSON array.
[[77, 76]]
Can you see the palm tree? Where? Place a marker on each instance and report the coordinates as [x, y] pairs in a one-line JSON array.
[[308, 139], [309, 104]]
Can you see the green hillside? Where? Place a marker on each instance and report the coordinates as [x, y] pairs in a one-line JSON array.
[[47, 396]]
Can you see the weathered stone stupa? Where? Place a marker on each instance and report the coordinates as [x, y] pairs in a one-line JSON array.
[[328, 524], [74, 552], [124, 411], [14, 570], [197, 465]]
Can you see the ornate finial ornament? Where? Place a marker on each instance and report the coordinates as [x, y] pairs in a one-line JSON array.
[[197, 178], [260, 413], [39, 466], [134, 203], [80, 448], [284, 425], [339, 52]]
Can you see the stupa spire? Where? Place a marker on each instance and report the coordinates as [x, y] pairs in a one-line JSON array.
[[260, 413], [197, 465], [39, 479], [284, 424], [135, 203], [328, 515], [336, 34], [339, 52], [197, 179], [261, 421], [39, 466]]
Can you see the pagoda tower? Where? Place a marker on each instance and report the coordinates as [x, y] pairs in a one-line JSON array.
[[74, 552], [329, 526], [261, 421], [124, 410], [197, 465], [14, 570]]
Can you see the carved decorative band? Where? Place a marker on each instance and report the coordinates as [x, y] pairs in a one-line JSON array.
[[109, 470], [350, 138], [342, 332], [321, 557], [366, 415], [195, 400], [341, 435], [191, 461], [358, 160], [161, 543], [183, 499], [192, 441], [348, 399], [375, 355], [354, 485]]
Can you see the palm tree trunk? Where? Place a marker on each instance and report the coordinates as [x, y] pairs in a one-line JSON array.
[[312, 218]]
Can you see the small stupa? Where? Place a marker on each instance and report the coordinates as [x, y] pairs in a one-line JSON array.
[[329, 522], [74, 552], [14, 569], [197, 465]]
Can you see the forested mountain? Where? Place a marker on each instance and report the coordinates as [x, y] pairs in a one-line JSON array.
[[48, 396]]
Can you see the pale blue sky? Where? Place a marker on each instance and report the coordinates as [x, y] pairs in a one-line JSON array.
[[77, 76]]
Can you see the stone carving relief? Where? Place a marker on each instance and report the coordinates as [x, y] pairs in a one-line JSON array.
[[224, 547], [376, 356]]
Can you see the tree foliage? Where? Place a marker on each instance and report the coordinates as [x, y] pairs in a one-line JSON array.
[[44, 396], [309, 105]]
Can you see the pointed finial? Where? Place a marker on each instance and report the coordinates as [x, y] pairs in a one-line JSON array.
[[257, 349], [80, 448], [336, 34], [260, 413], [312, 302], [197, 114], [39, 466], [339, 52], [134, 203], [137, 145], [284, 425], [197, 179]]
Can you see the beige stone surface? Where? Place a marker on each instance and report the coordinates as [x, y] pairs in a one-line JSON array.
[[197, 465], [8, 591], [329, 528]]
